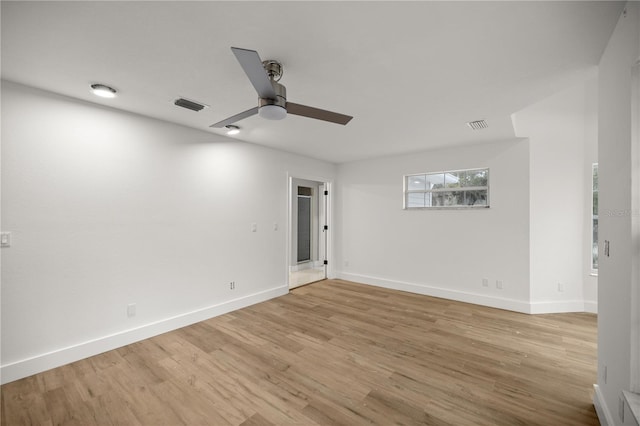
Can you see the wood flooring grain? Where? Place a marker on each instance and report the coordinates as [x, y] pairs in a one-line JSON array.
[[333, 352]]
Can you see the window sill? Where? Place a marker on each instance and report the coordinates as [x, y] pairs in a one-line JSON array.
[[633, 401]]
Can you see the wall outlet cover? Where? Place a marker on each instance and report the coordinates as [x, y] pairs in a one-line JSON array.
[[5, 239], [131, 310]]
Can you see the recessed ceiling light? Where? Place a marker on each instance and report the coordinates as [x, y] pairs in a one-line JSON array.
[[103, 91], [232, 130]]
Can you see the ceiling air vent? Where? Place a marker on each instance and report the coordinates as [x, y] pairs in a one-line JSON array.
[[186, 103], [478, 124]]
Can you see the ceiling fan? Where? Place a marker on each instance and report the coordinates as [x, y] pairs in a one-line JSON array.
[[272, 102]]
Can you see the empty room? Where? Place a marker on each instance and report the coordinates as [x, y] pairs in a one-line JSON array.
[[319, 213]]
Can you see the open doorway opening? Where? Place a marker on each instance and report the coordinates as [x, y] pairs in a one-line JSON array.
[[308, 231]]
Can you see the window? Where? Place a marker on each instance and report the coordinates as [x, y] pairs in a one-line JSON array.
[[594, 217], [454, 189]]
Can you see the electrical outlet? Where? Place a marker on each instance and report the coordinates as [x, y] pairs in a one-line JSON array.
[[499, 284], [560, 287], [232, 285], [485, 282], [346, 263], [131, 310], [5, 239], [254, 227]]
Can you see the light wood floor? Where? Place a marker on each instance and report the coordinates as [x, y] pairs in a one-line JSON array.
[[332, 352]]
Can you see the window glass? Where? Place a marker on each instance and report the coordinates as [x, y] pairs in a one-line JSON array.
[[475, 178], [416, 183], [475, 198], [435, 180], [415, 199], [453, 179], [450, 189]]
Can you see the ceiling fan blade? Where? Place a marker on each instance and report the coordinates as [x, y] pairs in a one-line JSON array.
[[318, 114], [237, 117], [252, 66]]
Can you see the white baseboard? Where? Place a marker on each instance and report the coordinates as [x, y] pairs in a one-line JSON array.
[[475, 298], [591, 306], [557, 306], [461, 296], [604, 415], [46, 361]]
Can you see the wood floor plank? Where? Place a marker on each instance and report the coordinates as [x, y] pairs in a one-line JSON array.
[[331, 353]]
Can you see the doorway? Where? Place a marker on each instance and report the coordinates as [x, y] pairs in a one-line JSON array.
[[308, 231]]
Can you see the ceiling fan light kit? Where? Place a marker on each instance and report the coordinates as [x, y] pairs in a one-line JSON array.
[[272, 112], [272, 96]]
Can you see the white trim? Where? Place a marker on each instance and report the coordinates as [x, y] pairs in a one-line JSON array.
[[594, 272], [46, 361], [557, 306], [634, 338], [632, 403], [425, 191], [515, 305], [604, 415], [428, 290], [591, 306], [329, 220]]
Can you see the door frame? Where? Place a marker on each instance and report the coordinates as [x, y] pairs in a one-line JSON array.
[[328, 219], [635, 228]]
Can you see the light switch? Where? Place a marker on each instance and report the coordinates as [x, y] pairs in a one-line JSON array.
[[5, 239]]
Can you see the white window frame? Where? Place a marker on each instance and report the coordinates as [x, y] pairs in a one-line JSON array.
[[407, 191], [594, 244]]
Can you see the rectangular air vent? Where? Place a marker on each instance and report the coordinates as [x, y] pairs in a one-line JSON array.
[[478, 124], [186, 103]]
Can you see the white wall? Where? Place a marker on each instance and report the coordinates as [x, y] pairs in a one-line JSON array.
[[615, 287], [535, 236], [559, 131], [589, 279], [443, 253], [108, 208]]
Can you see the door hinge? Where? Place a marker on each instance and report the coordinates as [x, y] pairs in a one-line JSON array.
[[326, 227], [326, 263], [326, 192]]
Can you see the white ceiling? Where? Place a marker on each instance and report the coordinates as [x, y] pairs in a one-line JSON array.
[[411, 73]]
